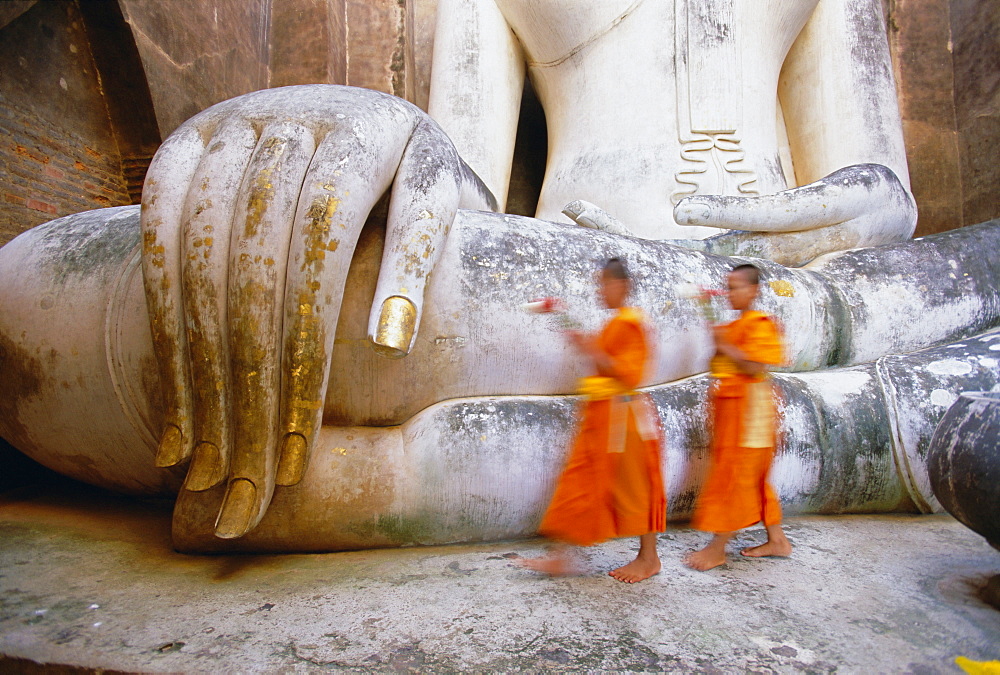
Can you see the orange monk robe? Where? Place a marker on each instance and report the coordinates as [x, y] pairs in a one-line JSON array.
[[737, 493], [612, 484]]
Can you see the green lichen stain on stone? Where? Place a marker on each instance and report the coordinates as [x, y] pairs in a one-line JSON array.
[[82, 245], [24, 377], [404, 530]]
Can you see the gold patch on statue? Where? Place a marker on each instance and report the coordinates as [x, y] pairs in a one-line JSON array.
[[783, 288]]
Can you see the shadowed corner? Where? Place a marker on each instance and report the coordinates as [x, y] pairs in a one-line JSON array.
[[990, 592], [19, 470]]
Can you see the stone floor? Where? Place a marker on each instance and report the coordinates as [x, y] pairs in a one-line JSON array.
[[89, 581]]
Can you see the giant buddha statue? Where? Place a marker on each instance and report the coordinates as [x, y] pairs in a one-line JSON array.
[[307, 382]]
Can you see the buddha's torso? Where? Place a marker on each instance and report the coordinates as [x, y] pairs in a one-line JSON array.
[[632, 128]]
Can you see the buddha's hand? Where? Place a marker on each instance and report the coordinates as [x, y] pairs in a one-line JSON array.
[[859, 205], [250, 215]]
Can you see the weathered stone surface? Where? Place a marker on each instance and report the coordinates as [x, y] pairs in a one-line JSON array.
[[424, 20], [210, 52], [85, 359], [308, 42], [919, 389], [480, 469], [877, 284], [976, 37], [934, 153], [963, 460], [380, 46], [636, 124], [946, 63], [980, 173], [304, 41]]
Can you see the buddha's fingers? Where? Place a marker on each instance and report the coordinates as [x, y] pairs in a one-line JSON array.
[[860, 205], [163, 199], [346, 178], [430, 184], [208, 221], [257, 267], [845, 195]]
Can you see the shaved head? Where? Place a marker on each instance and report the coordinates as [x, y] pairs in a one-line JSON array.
[[615, 269], [748, 272]]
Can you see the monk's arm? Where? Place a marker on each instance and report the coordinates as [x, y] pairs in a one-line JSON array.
[[738, 356], [626, 357], [759, 347]]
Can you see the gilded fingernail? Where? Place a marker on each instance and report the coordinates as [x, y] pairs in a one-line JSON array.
[[292, 462], [171, 448], [206, 468], [238, 509], [396, 325]]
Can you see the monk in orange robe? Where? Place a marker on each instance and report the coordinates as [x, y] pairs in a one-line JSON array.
[[612, 484], [737, 493]]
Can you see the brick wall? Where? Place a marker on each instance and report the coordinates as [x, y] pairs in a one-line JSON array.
[[58, 153], [47, 173]]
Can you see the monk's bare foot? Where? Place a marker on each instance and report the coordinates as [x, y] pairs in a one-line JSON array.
[[637, 570], [552, 565], [779, 549], [705, 559], [777, 544]]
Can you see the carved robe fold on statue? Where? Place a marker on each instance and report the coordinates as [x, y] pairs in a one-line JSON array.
[[612, 485], [737, 492]]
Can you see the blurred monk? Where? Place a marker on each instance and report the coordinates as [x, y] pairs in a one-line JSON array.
[[611, 485], [737, 493]]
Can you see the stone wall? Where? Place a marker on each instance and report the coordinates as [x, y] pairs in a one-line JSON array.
[[975, 27], [58, 152], [357, 42], [920, 38], [200, 52], [947, 61], [308, 42]]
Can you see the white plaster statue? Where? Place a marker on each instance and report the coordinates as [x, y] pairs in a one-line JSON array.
[[664, 114], [681, 116]]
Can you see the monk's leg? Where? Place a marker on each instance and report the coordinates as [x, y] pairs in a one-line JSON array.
[[713, 555], [557, 562], [777, 545], [645, 565]]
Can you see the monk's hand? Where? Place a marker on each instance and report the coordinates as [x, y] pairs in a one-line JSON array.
[[576, 339], [719, 335], [250, 215], [859, 205], [584, 343]]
